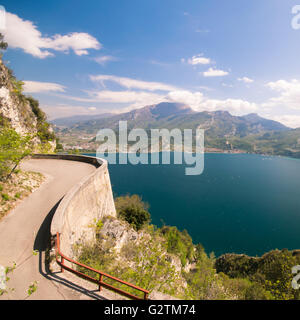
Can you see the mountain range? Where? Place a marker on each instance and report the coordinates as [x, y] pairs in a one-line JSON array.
[[223, 131]]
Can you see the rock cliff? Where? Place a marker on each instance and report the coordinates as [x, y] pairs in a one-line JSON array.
[[22, 113]]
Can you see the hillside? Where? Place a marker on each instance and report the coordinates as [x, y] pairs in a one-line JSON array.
[[23, 131], [165, 261], [22, 113], [223, 131], [175, 115]]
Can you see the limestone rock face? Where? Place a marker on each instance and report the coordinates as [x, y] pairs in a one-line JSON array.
[[16, 109], [119, 232]]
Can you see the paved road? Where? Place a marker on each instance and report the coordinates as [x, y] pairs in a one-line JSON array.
[[27, 227]]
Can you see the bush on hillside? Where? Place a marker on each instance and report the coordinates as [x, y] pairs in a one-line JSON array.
[[133, 210], [13, 149], [179, 243]]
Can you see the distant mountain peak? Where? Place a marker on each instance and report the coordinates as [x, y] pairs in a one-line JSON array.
[[166, 109]]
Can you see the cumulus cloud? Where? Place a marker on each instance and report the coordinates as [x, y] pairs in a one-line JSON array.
[[24, 34], [139, 97], [133, 84], [246, 80], [133, 99], [289, 94], [194, 100], [198, 59], [64, 110], [292, 121], [234, 106], [36, 86], [212, 72], [199, 102]]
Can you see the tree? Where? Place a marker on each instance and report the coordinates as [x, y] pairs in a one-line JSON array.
[[13, 149], [3, 44], [179, 242], [133, 210]]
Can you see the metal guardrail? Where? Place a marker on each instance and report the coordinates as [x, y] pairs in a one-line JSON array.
[[101, 274]]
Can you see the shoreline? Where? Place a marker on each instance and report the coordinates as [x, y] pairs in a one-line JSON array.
[[207, 152]]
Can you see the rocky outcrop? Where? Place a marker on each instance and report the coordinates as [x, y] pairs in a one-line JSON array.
[[19, 115], [16, 110], [119, 238]]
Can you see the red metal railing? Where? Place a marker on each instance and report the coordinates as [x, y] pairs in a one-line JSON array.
[[101, 274]]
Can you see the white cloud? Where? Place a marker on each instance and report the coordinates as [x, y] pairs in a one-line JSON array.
[[139, 97], [132, 83], [199, 102], [133, 99], [289, 94], [194, 100], [198, 59], [103, 60], [64, 110], [211, 72], [292, 121], [246, 80], [36, 86], [234, 106], [24, 34]]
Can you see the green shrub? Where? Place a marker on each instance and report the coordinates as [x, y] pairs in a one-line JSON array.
[[17, 86], [276, 267], [43, 127], [179, 243], [13, 149], [133, 210], [237, 266], [34, 104], [5, 196], [18, 195], [257, 292], [270, 274], [202, 281]]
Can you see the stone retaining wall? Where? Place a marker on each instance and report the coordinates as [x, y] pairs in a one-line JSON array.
[[88, 201]]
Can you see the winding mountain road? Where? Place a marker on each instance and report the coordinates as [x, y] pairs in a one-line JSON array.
[[26, 229]]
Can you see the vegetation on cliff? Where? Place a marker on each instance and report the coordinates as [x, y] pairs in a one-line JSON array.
[[271, 272], [166, 260], [22, 113], [23, 130], [133, 210], [13, 149]]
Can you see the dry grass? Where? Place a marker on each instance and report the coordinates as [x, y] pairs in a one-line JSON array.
[[18, 187]]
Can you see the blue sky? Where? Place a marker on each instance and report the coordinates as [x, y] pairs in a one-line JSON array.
[[89, 57]]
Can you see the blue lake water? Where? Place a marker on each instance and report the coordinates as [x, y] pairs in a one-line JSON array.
[[241, 203]]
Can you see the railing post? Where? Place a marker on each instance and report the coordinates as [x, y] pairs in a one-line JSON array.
[[145, 296], [62, 262], [58, 251], [100, 281]]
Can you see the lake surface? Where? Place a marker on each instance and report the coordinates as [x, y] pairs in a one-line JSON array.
[[241, 203]]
